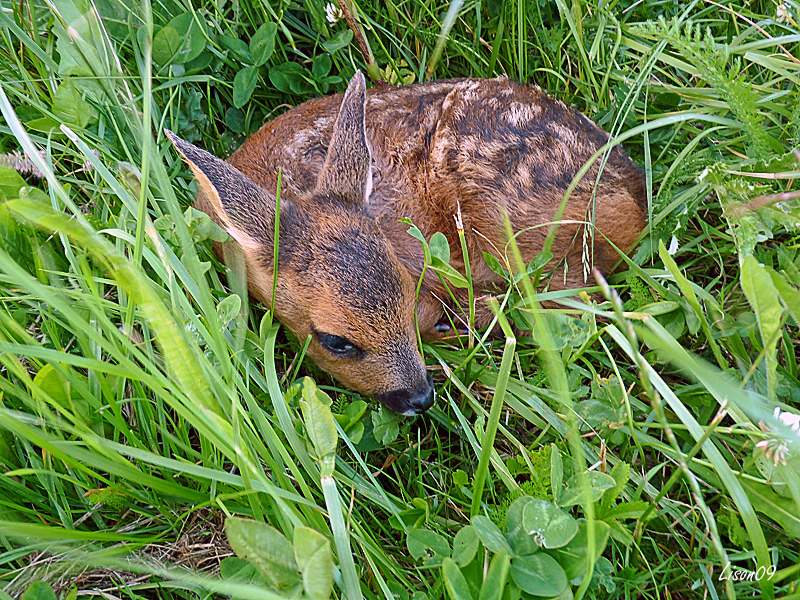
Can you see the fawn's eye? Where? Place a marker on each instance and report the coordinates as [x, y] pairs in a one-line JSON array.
[[337, 345]]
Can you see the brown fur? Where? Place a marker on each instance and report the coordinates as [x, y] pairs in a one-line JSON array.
[[348, 265]]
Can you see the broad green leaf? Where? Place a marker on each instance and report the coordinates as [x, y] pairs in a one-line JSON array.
[[202, 227], [765, 301], [414, 232], [517, 536], [659, 308], [620, 473], [7, 452], [238, 569], [385, 426], [235, 119], [266, 548], [284, 74], [538, 263], [789, 265], [439, 247], [551, 526], [356, 432], [597, 483], [82, 46], [465, 545], [454, 581], [69, 106], [573, 557], [321, 66], [626, 510], [771, 472], [320, 424], [538, 574], [410, 518], [45, 125], [262, 44], [312, 551], [192, 35], [495, 582], [769, 503], [789, 295], [490, 535], [243, 85], [10, 182], [354, 411], [52, 383], [340, 40], [423, 543], [494, 264], [166, 44], [237, 47], [460, 478], [449, 273], [199, 63], [39, 590], [228, 309], [564, 330]]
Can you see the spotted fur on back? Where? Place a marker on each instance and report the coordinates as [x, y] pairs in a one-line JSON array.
[[492, 146]]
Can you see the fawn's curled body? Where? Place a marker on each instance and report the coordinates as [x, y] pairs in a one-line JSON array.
[[354, 164]]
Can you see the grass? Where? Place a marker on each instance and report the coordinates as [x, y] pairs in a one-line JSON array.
[[142, 402]]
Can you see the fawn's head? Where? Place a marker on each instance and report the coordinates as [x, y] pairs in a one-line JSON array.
[[339, 280]]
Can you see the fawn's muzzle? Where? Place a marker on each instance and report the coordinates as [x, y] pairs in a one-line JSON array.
[[410, 402]]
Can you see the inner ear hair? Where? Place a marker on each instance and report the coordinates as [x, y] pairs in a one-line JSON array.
[[245, 209], [346, 174]]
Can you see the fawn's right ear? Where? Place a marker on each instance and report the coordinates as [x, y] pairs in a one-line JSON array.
[[347, 174], [245, 209]]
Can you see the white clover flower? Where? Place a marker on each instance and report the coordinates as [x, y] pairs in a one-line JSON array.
[[333, 13], [782, 13], [791, 420], [776, 448]]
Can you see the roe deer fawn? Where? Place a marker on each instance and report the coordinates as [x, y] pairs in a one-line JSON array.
[[354, 164]]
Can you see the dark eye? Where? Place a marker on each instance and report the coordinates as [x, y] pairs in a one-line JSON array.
[[336, 344]]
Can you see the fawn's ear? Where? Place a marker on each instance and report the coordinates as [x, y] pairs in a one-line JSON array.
[[347, 174], [245, 209]]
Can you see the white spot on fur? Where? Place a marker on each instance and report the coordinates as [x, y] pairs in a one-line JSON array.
[[520, 114], [564, 134], [322, 123]]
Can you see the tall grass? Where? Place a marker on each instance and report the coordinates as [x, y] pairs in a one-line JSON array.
[[143, 400]]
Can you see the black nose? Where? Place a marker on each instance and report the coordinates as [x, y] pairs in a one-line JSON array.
[[410, 401]]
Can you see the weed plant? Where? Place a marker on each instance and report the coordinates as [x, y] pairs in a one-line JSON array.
[[646, 448]]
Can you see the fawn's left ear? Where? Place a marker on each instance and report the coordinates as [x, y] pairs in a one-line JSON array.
[[246, 210], [346, 175]]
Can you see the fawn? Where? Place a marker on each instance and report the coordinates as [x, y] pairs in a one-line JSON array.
[[354, 164]]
